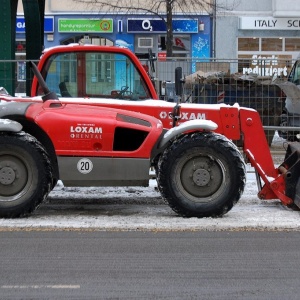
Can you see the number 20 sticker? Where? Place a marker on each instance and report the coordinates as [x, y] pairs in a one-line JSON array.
[[84, 166]]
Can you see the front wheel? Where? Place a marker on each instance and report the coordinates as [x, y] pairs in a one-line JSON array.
[[201, 175], [25, 174]]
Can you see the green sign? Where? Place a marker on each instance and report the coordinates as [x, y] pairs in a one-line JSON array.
[[85, 25]]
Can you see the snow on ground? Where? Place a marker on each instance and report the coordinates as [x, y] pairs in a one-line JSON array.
[[143, 209], [140, 208]]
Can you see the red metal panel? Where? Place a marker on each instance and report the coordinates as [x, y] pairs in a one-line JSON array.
[[89, 131], [255, 142]]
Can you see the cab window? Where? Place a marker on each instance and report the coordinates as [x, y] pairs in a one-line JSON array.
[[295, 74], [95, 75]]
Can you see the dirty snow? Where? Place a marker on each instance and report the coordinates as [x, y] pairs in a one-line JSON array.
[[130, 208], [139, 208]]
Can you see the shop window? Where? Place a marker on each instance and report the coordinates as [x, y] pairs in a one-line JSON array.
[[145, 42], [20, 47], [271, 44], [248, 44], [292, 44], [264, 65], [244, 61], [90, 39], [181, 44]]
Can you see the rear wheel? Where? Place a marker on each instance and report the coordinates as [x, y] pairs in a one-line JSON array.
[[201, 175], [25, 174]]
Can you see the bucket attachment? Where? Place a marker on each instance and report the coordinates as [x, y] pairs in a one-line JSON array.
[[292, 174]]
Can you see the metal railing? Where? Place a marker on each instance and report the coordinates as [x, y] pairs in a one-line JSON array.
[[211, 81], [15, 79]]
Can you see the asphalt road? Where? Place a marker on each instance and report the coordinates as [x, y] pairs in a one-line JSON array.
[[149, 265]]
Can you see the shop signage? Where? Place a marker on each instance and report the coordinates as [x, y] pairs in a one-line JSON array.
[[162, 56], [159, 26], [85, 25], [269, 23], [266, 65], [48, 24]]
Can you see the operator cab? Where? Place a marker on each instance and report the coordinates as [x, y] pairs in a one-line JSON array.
[[294, 75], [94, 75]]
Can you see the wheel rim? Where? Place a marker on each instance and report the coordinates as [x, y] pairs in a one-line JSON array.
[[201, 177], [15, 177]]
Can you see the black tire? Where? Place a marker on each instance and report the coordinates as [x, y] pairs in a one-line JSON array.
[[290, 136], [25, 174], [294, 207], [201, 175]]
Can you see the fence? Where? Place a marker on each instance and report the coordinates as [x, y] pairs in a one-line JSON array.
[[17, 78], [227, 81], [212, 81]]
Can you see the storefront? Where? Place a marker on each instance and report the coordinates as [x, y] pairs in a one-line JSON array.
[[20, 34], [265, 40], [192, 35], [271, 53]]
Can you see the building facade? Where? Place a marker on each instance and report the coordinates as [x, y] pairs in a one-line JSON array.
[[265, 35], [72, 22], [262, 35]]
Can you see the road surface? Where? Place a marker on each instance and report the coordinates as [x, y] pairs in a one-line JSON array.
[[149, 265]]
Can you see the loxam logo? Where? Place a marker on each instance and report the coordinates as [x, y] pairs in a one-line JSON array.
[[85, 129], [85, 132], [184, 116]]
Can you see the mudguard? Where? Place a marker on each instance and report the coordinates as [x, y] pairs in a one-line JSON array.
[[8, 109], [9, 125], [191, 125], [13, 108]]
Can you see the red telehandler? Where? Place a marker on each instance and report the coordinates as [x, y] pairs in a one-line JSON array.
[[94, 119]]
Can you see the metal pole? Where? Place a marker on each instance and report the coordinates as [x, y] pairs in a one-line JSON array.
[[34, 18], [8, 14]]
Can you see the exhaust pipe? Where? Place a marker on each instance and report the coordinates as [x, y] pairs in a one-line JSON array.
[[48, 95]]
